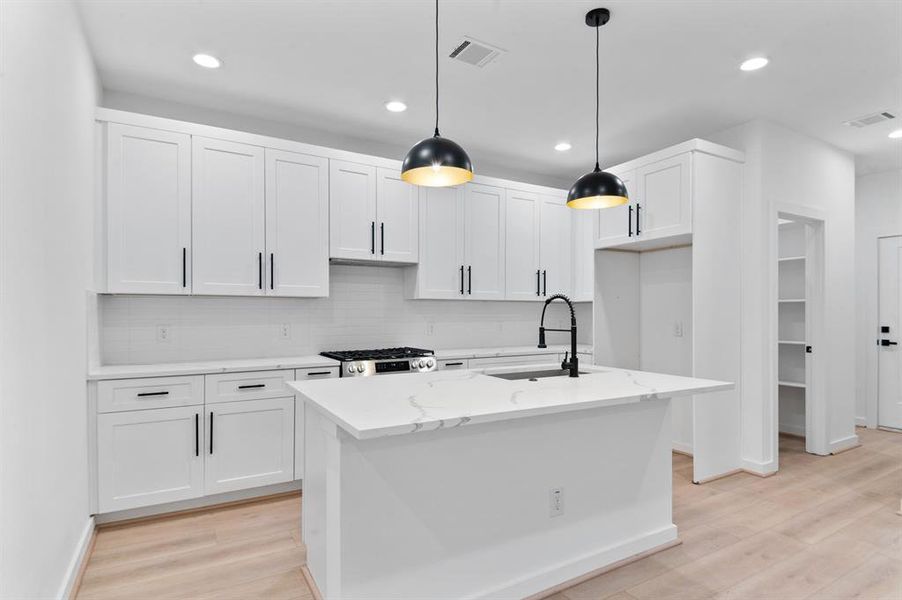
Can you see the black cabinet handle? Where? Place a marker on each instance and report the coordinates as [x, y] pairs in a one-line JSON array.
[[260, 270], [272, 271], [315, 373], [211, 432], [470, 279], [143, 394], [184, 267], [381, 238], [252, 386], [630, 221], [888, 343], [539, 282], [372, 237], [461, 280], [197, 434], [454, 364], [638, 208], [544, 283]]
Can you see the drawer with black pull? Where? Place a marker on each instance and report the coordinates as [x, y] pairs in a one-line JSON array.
[[311, 373], [149, 392], [253, 385]]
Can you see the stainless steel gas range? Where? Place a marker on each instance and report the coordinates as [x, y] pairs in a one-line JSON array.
[[363, 363]]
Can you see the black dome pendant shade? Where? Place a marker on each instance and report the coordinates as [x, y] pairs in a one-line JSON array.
[[597, 189], [436, 161]]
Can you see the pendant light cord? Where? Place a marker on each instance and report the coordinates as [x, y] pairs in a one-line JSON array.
[[436, 68], [597, 97]]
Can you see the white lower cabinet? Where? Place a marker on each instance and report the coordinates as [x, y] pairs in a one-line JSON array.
[[149, 457], [249, 443], [300, 413]]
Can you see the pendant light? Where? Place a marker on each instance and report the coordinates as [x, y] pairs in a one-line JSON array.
[[597, 189], [436, 161]]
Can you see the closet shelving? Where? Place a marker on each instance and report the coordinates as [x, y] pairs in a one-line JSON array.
[[792, 334]]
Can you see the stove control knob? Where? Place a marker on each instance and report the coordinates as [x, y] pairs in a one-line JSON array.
[[421, 363], [351, 368], [360, 368], [430, 363]]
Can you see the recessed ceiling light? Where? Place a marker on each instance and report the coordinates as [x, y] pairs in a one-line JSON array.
[[562, 146], [207, 61], [395, 106], [753, 64], [897, 134]]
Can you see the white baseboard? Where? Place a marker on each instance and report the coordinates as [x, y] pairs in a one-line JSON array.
[[759, 468], [79, 557], [843, 444], [170, 507], [861, 421], [791, 429], [682, 448], [547, 581]]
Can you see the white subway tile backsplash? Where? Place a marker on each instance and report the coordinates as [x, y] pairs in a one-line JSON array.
[[366, 308]]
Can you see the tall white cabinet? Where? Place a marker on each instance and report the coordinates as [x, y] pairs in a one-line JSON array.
[[540, 248], [483, 233], [148, 193]]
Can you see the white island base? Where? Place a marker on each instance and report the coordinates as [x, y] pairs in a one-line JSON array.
[[467, 512]]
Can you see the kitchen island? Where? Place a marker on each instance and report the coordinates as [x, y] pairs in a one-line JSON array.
[[462, 484]]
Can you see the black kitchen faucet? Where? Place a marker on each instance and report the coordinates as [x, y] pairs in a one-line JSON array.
[[573, 363]]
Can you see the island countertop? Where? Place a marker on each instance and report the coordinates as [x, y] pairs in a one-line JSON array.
[[371, 407]]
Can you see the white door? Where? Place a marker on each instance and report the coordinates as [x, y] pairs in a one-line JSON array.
[[484, 242], [556, 241], [617, 225], [352, 208], [149, 210], [521, 253], [249, 443], [398, 227], [889, 360], [297, 224], [149, 457], [440, 273], [228, 217], [663, 205]]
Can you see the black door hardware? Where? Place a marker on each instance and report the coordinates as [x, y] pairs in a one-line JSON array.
[[884, 329], [272, 271], [638, 208], [382, 237], [211, 432], [888, 343], [184, 267], [461, 280], [142, 394], [252, 386], [629, 221], [539, 283], [372, 237], [196, 434], [544, 283], [470, 279], [260, 270], [808, 349]]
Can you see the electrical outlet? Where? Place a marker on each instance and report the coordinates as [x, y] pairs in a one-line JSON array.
[[556, 502], [678, 329], [163, 333], [430, 328], [285, 331]]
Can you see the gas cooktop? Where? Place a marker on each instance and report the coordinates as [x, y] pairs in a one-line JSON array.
[[359, 363]]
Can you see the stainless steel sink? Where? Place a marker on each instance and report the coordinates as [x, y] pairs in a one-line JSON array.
[[533, 375]]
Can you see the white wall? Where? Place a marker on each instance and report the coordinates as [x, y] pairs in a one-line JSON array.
[[878, 212], [49, 91], [785, 168], [366, 308]]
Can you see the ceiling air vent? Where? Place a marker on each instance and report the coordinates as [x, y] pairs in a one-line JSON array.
[[474, 52], [871, 119]]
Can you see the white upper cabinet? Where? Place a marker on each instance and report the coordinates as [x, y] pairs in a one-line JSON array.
[[440, 273], [484, 242], [228, 218], [297, 224], [523, 272], [148, 202], [664, 197], [617, 225], [352, 206], [555, 244], [396, 210]]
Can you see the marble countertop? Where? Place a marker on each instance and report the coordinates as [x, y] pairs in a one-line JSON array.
[[371, 407], [207, 367]]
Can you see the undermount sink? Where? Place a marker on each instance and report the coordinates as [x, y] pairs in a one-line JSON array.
[[533, 375]]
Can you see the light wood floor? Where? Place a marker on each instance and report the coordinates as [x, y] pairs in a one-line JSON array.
[[823, 527]]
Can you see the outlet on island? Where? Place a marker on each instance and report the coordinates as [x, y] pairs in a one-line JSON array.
[[556, 502]]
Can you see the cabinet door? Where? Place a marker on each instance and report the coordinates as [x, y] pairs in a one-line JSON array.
[[617, 225], [228, 217], [352, 210], [398, 226], [148, 178], [149, 457], [583, 283], [297, 224], [664, 197], [300, 413], [484, 242], [521, 253], [439, 274], [249, 443], [555, 245]]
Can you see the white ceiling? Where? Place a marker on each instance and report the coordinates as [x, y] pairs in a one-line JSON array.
[[669, 70]]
